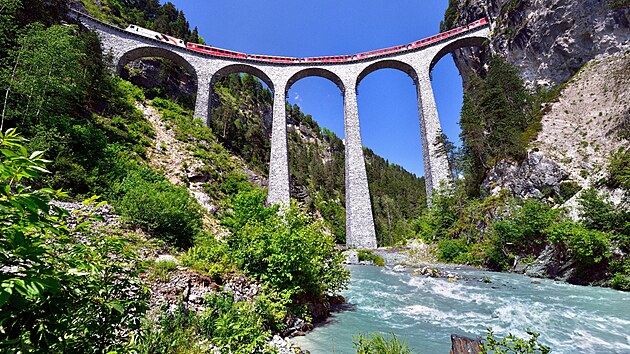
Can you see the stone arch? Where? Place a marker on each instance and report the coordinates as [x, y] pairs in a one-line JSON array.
[[473, 41], [242, 68], [319, 72], [148, 52], [388, 64]]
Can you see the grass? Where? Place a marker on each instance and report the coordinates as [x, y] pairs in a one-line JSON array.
[[163, 268]]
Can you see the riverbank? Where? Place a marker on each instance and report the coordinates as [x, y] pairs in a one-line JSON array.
[[419, 257]]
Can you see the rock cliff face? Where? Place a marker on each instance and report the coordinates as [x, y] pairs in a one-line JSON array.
[[163, 75], [547, 40]]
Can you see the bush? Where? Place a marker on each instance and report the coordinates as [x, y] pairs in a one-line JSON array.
[[513, 345], [589, 247], [371, 257], [151, 202], [595, 212], [377, 344], [568, 189], [620, 281], [286, 250], [223, 323], [523, 230], [451, 251], [210, 256], [162, 268]]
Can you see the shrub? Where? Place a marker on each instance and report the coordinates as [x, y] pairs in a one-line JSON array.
[[514, 345], [222, 323], [451, 250], [151, 202], [620, 281], [286, 250], [588, 246], [522, 232], [378, 344], [598, 214], [371, 257], [209, 255], [568, 189], [162, 268]]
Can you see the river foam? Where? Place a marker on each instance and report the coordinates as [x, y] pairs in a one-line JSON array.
[[425, 311]]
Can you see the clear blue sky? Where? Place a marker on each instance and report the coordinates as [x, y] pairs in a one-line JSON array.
[[387, 99]]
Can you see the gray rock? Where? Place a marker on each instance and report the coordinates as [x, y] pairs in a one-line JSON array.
[[352, 257], [399, 268], [536, 177], [547, 40]]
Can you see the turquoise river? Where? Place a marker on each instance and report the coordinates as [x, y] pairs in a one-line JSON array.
[[425, 311]]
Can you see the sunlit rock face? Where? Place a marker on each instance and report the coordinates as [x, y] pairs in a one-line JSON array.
[[547, 40]]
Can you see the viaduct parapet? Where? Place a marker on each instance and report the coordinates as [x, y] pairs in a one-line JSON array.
[[125, 47]]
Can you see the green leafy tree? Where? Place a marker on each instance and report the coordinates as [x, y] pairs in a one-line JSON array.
[[151, 202], [497, 120], [288, 250]]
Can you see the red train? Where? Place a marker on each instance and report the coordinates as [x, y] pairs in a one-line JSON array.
[[327, 59]]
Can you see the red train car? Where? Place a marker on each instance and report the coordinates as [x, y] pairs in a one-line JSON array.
[[338, 58]]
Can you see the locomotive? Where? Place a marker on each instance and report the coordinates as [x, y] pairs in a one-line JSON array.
[[155, 35], [326, 59]]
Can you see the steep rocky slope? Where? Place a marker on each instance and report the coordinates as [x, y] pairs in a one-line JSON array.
[[579, 132], [547, 40]]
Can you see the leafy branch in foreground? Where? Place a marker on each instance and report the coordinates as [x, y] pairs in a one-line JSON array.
[[514, 345], [58, 293]]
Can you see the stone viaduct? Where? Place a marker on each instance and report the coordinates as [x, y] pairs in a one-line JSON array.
[[125, 47]]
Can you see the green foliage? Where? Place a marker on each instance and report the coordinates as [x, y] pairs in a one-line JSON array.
[[209, 256], [523, 230], [619, 170], [162, 268], [397, 197], [222, 323], [451, 16], [150, 14], [286, 250], [365, 255], [58, 293], [598, 214], [621, 274], [620, 281], [496, 119], [589, 247], [451, 251], [238, 120], [436, 221], [378, 344], [514, 345], [55, 82], [568, 189], [151, 202], [226, 177]]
